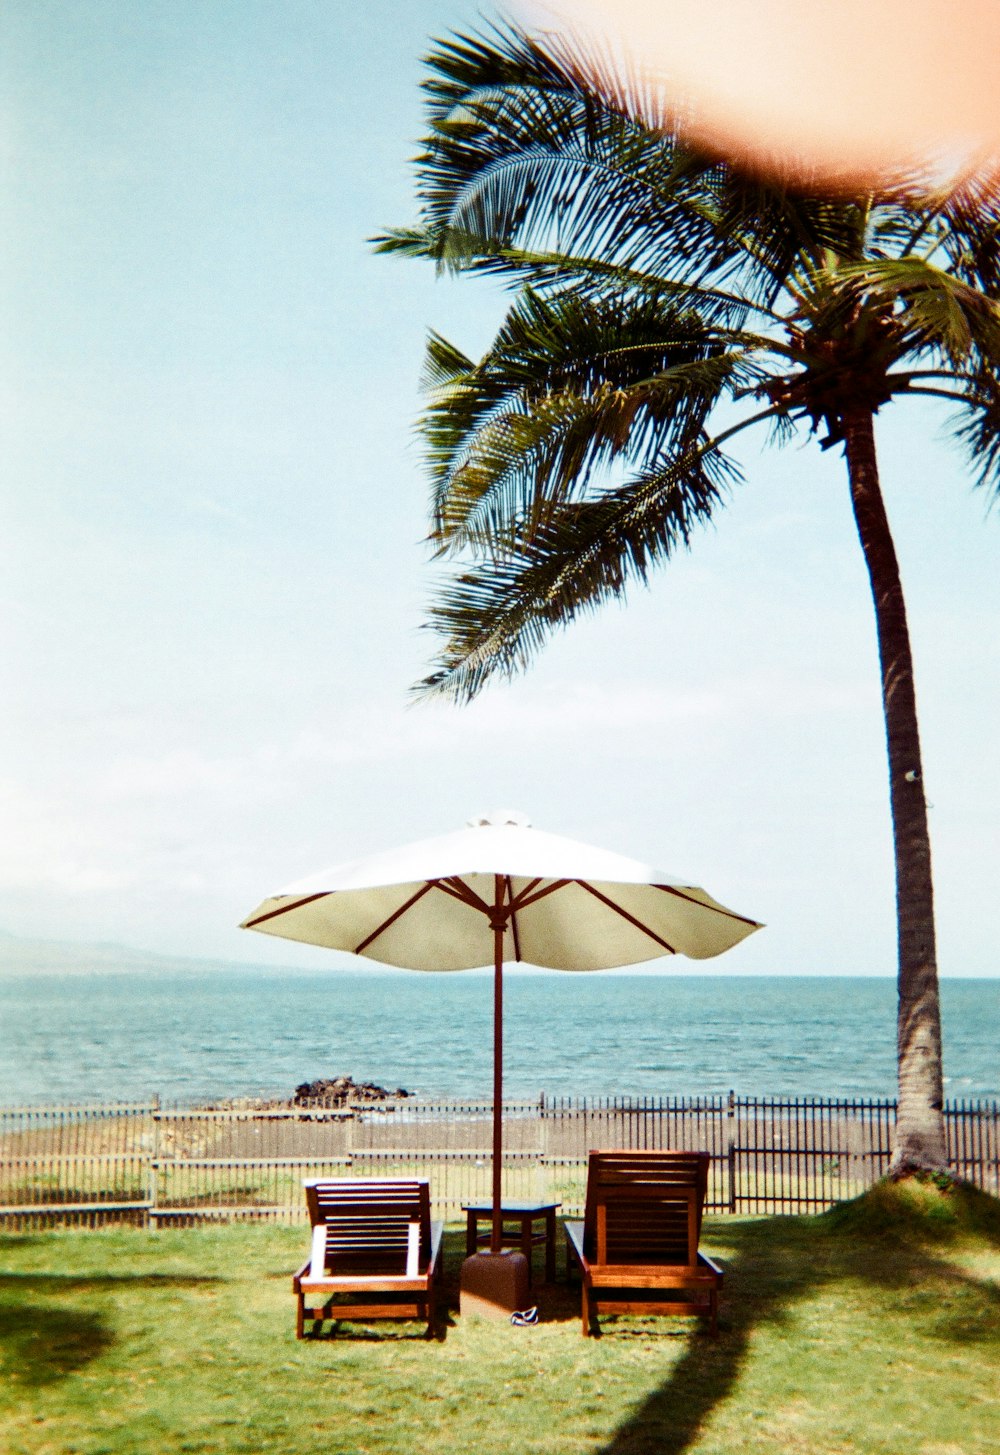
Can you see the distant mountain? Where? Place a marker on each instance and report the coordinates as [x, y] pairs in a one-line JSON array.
[[66, 957]]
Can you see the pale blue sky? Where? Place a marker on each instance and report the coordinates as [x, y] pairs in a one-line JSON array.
[[213, 511]]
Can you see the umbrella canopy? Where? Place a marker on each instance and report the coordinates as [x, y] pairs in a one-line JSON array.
[[566, 905], [501, 890]]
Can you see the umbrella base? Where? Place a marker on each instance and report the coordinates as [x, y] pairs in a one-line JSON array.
[[494, 1285]]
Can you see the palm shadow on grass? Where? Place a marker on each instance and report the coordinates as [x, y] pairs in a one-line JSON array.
[[43, 1339], [774, 1263], [11, 1283], [43, 1343]]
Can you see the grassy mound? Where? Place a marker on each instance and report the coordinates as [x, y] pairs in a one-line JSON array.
[[923, 1208]]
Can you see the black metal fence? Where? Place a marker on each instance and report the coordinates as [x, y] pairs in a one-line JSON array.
[[156, 1164]]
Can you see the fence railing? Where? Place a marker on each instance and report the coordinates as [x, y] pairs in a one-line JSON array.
[[154, 1164]]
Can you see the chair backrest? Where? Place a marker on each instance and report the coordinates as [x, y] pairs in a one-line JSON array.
[[644, 1208], [369, 1223]]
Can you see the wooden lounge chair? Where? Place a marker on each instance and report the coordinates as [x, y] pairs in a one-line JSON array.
[[375, 1252], [639, 1237]]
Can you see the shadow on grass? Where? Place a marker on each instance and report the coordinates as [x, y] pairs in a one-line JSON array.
[[87, 1282], [386, 1331], [41, 1343], [886, 1240], [18, 1240], [43, 1339]]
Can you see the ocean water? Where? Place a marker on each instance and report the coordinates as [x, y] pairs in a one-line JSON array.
[[102, 1037]]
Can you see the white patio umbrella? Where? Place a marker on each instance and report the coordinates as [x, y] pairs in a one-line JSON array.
[[501, 890]]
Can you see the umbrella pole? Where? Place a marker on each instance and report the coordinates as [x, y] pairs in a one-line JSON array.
[[492, 1286], [499, 924]]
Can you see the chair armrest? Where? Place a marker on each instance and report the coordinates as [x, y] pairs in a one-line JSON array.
[[413, 1250], [574, 1240], [437, 1237], [318, 1260]]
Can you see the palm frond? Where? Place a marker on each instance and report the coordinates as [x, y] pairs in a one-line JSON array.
[[444, 364], [519, 151], [495, 618], [407, 242], [544, 270], [526, 465], [935, 309], [978, 427], [785, 230], [971, 237], [571, 383]]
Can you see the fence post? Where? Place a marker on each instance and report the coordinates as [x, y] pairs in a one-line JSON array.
[[153, 1179], [543, 1172], [730, 1116]]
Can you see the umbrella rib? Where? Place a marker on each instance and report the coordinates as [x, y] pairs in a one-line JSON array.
[[515, 936], [711, 908], [285, 909], [424, 889], [458, 889], [525, 898], [625, 914], [516, 900]]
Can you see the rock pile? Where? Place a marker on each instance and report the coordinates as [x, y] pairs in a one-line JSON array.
[[343, 1089]]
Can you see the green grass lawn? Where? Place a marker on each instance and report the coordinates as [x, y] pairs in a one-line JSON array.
[[873, 1328]]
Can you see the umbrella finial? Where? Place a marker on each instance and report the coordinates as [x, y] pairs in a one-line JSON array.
[[500, 818]]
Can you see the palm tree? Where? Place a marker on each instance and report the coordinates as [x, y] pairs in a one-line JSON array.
[[666, 299]]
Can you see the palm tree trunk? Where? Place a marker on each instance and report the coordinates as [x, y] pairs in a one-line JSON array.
[[920, 1135]]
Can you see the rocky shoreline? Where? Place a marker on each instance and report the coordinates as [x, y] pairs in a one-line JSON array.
[[336, 1093], [342, 1090]]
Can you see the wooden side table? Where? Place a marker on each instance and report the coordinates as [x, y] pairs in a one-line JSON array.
[[526, 1215]]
